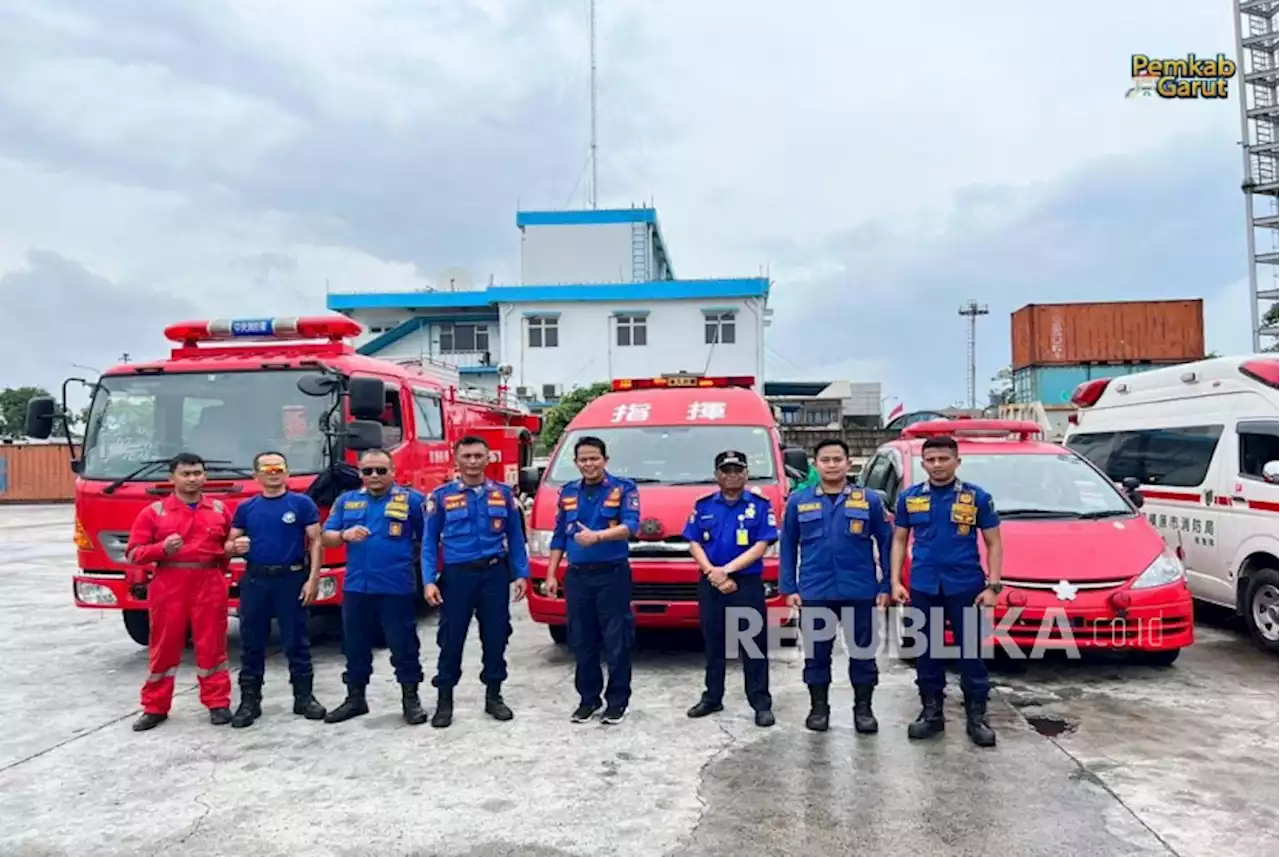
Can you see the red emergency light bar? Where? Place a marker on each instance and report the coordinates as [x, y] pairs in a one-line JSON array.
[[1087, 394], [1263, 369], [1024, 429], [679, 382], [333, 328]]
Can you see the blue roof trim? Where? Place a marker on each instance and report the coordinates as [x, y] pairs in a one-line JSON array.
[[477, 370], [621, 312], [593, 217], [392, 336], [541, 314], [714, 310], [661, 290]]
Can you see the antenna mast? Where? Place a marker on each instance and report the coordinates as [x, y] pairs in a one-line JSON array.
[[971, 311], [594, 194]]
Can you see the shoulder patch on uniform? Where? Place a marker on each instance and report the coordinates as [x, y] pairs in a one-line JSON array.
[[158, 507], [218, 507]]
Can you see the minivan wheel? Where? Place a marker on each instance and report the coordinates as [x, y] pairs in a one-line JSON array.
[[1262, 608]]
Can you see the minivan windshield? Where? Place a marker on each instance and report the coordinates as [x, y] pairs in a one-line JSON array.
[[1040, 484], [220, 416], [670, 455]]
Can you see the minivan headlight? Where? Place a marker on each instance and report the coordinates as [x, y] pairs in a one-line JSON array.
[[1164, 569]]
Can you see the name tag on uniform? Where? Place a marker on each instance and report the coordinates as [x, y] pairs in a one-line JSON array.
[[454, 501], [743, 538], [569, 504], [354, 505], [917, 504], [614, 499], [809, 507]]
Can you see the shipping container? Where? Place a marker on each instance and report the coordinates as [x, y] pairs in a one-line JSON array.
[[1112, 332], [1053, 385], [36, 473]]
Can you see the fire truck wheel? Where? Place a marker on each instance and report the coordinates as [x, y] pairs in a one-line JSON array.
[[138, 625], [559, 634]]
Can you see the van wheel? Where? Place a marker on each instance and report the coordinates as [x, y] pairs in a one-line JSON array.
[[1163, 658], [1262, 608], [138, 624], [559, 634]]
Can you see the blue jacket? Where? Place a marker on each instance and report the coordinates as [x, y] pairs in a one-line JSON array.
[[382, 564], [944, 523], [834, 536], [474, 523], [615, 500], [728, 530]]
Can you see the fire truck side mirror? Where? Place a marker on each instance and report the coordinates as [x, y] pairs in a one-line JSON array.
[[529, 479], [317, 385], [366, 398], [364, 434], [40, 413]]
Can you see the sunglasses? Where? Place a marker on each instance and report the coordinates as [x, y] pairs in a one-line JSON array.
[[272, 469], [375, 471]]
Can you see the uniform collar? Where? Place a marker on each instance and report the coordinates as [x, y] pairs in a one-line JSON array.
[[172, 502], [815, 491], [719, 495], [486, 485], [606, 482], [954, 485]]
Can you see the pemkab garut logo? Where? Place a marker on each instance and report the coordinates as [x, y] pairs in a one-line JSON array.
[[1185, 78]]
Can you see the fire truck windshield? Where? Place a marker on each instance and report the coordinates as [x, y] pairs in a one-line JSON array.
[[670, 455], [226, 417]]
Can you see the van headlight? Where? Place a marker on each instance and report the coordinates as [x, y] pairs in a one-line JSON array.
[[540, 542], [1165, 569]]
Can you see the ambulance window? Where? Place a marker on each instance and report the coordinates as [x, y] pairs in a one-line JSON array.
[[392, 419], [1176, 457], [430, 416], [1259, 444]]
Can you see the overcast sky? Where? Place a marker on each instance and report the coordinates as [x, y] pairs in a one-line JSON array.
[[885, 161]]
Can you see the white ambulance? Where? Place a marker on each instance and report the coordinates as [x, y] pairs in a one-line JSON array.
[[1200, 442]]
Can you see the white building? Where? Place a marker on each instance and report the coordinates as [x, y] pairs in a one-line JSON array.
[[592, 307]]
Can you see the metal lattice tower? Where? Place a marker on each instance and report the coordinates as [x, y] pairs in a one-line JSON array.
[[971, 311], [1256, 40]]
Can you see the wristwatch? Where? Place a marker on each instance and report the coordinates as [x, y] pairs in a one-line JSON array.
[[995, 588]]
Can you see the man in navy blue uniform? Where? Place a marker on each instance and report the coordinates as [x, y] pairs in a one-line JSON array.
[[728, 533], [379, 524], [595, 518], [481, 527], [278, 534], [833, 533], [942, 518]]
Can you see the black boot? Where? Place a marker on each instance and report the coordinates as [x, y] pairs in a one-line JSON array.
[[930, 722], [353, 706], [250, 708], [863, 720], [220, 716], [819, 709], [444, 708], [493, 704], [704, 706], [149, 721], [976, 723], [414, 713], [304, 703]]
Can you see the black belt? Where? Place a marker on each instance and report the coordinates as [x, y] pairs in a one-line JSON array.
[[596, 566], [478, 564], [274, 570]]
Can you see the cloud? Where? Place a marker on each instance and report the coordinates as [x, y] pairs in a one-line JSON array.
[[886, 163]]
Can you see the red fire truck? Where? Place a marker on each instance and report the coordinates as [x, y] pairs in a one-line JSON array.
[[233, 388], [664, 433]]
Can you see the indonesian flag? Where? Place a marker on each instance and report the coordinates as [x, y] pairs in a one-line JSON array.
[[893, 414]]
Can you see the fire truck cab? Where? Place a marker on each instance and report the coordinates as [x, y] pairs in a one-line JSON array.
[[234, 388], [663, 433]]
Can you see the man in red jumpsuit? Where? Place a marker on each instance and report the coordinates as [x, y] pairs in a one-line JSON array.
[[183, 537]]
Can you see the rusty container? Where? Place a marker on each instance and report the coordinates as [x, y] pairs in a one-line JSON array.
[[1111, 332], [36, 473]]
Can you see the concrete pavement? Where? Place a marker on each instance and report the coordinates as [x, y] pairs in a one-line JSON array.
[[1094, 758]]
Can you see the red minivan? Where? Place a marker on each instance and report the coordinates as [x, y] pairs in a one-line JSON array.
[[1077, 550]]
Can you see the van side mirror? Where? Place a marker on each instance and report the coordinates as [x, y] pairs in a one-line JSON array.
[[1271, 471], [367, 398], [40, 413], [364, 434], [795, 458], [530, 478], [1131, 486]]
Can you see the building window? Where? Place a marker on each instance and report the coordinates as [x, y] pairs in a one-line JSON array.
[[632, 330], [720, 328], [463, 338], [544, 332]]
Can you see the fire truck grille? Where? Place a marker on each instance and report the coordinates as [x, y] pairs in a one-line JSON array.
[[664, 592]]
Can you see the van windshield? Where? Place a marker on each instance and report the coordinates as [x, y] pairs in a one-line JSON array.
[[220, 416], [670, 455], [1039, 484]]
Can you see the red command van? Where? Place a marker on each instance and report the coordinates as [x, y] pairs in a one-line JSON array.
[[663, 433]]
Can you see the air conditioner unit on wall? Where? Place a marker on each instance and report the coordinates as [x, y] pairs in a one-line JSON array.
[[550, 392], [524, 392]]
